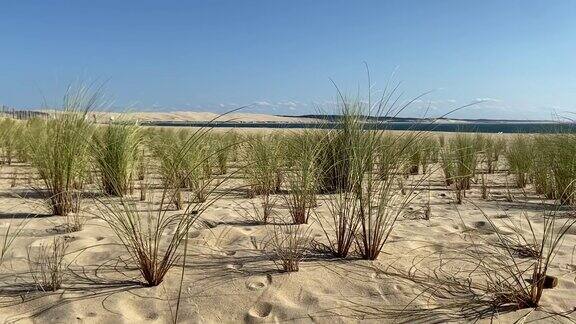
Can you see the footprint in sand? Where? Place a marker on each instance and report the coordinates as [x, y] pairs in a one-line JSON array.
[[235, 266], [194, 234], [209, 223], [309, 299], [260, 310], [457, 227], [378, 275], [259, 282], [255, 285], [486, 228]]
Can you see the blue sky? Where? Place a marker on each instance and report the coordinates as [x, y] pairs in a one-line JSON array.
[[518, 56]]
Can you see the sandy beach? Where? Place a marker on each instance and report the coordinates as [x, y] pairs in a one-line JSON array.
[[230, 274]]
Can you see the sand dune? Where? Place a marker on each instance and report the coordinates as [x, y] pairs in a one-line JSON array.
[[198, 116], [229, 278]]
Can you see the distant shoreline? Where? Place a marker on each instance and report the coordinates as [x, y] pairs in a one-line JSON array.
[[249, 120], [481, 127]]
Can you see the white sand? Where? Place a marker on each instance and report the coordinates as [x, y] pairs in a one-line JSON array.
[[228, 279]]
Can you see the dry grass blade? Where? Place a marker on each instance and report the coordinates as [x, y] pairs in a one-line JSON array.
[[47, 264], [152, 239], [289, 244], [519, 282], [11, 233], [381, 202], [342, 226]]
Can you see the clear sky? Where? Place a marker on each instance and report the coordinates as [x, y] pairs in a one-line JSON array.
[[519, 56]]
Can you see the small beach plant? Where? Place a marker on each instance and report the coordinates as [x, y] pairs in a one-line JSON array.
[[60, 150]]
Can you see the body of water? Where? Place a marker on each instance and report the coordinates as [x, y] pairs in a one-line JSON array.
[[482, 127]]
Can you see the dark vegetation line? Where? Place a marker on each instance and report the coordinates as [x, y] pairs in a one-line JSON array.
[[332, 117], [484, 127]]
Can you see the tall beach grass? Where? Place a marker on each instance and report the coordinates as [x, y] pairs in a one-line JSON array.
[[60, 149], [116, 152]]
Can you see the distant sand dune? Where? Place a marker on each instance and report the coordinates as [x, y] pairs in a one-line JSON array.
[[199, 116]]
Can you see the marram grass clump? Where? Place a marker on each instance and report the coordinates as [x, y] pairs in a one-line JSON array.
[[60, 149], [116, 149], [520, 158]]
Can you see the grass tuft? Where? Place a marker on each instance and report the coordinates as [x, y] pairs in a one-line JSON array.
[[47, 264], [116, 150], [59, 150]]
